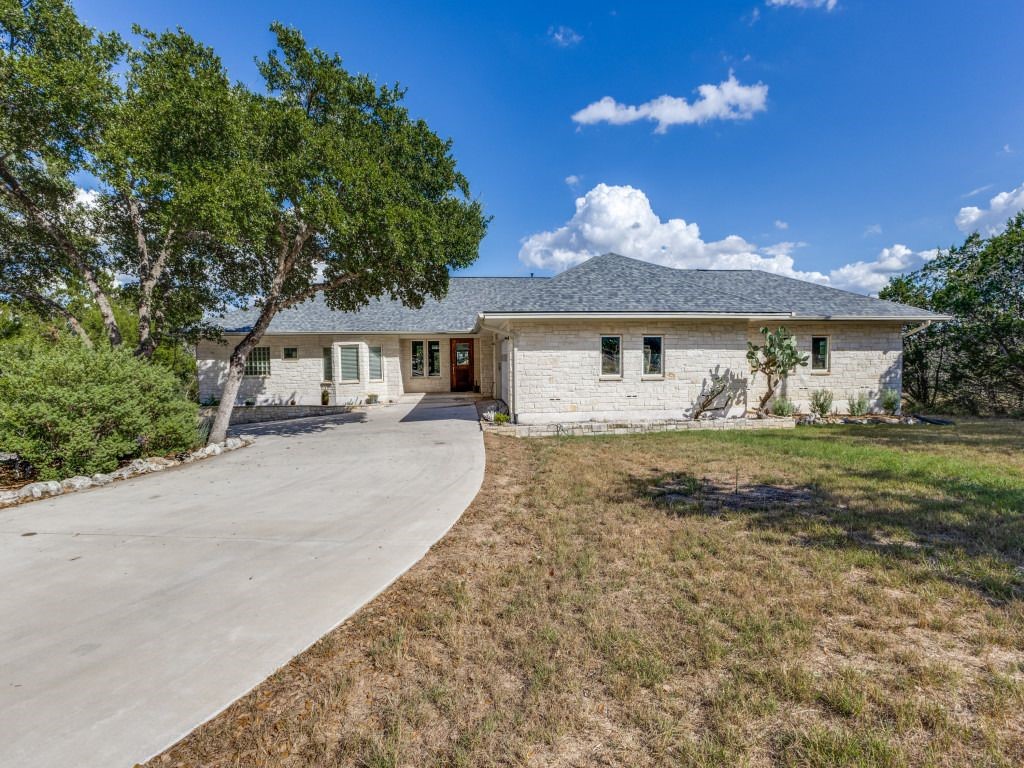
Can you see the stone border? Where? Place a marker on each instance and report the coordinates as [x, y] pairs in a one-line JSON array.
[[576, 428], [257, 414], [45, 489]]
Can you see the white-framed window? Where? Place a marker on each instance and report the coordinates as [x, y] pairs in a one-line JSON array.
[[291, 353], [349, 359], [611, 356], [258, 362], [376, 363], [433, 358], [328, 363], [821, 353], [416, 358], [653, 362]]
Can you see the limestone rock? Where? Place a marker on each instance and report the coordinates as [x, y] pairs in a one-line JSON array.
[[76, 483]]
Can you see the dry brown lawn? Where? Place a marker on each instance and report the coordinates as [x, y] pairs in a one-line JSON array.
[[574, 618]]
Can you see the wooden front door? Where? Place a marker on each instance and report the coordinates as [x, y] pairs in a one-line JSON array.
[[463, 367]]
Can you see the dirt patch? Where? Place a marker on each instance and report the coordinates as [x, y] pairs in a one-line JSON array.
[[715, 495]]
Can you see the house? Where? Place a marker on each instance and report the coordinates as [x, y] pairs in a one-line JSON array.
[[613, 338]]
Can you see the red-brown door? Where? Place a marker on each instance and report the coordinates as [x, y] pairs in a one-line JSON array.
[[462, 365]]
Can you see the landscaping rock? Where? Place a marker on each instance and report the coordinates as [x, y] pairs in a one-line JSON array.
[[157, 463], [76, 483], [8, 497], [213, 449], [232, 443], [40, 490], [102, 479]]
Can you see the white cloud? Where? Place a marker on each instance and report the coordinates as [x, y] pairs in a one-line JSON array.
[[564, 37], [729, 100], [828, 5], [871, 276], [977, 191], [1008, 149], [991, 220], [572, 180], [780, 224], [872, 229], [620, 219]]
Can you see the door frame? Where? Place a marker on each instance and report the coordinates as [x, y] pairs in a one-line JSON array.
[[472, 364]]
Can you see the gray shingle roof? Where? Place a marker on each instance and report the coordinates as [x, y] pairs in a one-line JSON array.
[[456, 313], [608, 283]]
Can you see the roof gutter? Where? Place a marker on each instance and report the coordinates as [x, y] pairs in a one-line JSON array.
[[507, 316]]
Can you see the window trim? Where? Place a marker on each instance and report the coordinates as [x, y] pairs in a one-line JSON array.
[[327, 357], [423, 358], [369, 361], [828, 355], [250, 359], [359, 365], [600, 359], [436, 375], [644, 375]]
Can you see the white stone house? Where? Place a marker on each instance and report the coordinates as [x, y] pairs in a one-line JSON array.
[[611, 339]]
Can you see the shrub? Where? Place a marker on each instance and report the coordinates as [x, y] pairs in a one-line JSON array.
[[501, 418], [783, 407], [821, 402], [859, 404], [891, 401], [68, 410]]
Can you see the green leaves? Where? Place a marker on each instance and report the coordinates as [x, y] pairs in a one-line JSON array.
[[776, 358], [976, 361]]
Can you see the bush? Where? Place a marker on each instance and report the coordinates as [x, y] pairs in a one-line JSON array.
[[821, 402], [501, 418], [783, 407], [859, 404], [891, 401], [68, 410]]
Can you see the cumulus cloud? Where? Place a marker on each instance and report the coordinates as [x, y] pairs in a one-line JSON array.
[[572, 180], [564, 37], [780, 224], [729, 100], [991, 220], [871, 276], [828, 5], [620, 219]]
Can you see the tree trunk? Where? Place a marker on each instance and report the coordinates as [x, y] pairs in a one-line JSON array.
[[236, 369], [46, 305]]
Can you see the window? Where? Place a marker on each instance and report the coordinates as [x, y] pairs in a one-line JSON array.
[[611, 355], [291, 353], [433, 358], [258, 362], [349, 362], [652, 356], [328, 364], [417, 358], [376, 369], [819, 353]]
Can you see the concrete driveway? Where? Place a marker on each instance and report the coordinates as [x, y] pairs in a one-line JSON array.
[[132, 613]]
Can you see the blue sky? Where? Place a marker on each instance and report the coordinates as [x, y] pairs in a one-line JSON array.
[[839, 141]]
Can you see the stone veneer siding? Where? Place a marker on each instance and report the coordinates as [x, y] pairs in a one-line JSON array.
[[301, 380], [556, 367]]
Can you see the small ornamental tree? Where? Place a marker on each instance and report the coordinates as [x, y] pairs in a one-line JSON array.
[[776, 359]]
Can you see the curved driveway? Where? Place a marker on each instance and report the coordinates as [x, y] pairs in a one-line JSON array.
[[135, 612]]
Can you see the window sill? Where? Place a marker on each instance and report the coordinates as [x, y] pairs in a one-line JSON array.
[[652, 377], [609, 378], [348, 381], [255, 375], [821, 373]]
